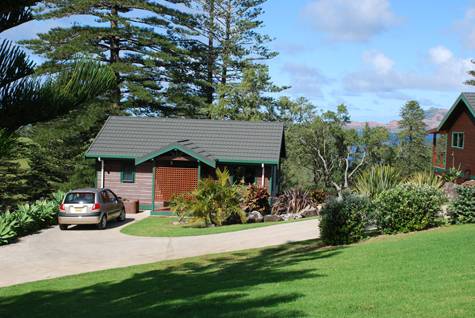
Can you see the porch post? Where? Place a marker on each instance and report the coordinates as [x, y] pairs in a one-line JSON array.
[[263, 174], [199, 170], [102, 172]]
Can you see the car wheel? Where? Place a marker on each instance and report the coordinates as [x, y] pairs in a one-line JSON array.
[[63, 227], [102, 223], [121, 217]]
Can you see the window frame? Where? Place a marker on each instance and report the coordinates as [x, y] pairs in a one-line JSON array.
[[452, 142], [125, 165]]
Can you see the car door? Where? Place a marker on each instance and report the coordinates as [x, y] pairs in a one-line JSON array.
[[114, 204], [106, 204]]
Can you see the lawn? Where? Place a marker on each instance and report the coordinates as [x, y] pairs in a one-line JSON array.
[[425, 274], [164, 227]]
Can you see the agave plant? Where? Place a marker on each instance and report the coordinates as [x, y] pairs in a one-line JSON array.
[[292, 201], [377, 179], [426, 178]]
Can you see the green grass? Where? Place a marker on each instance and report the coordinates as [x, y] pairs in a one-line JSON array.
[[425, 274], [163, 227]]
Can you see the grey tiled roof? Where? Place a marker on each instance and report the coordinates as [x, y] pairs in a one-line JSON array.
[[470, 97], [222, 140]]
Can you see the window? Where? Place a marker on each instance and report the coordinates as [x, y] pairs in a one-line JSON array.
[[111, 196], [457, 140], [127, 174], [79, 197]]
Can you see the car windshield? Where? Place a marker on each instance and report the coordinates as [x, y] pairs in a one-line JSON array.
[[79, 197]]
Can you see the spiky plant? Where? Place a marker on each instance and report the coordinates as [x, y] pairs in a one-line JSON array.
[[426, 178], [377, 179], [292, 201]]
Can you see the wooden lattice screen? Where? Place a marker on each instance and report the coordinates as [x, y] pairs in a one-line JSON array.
[[174, 180]]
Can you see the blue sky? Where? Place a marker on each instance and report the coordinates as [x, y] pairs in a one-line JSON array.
[[372, 55]]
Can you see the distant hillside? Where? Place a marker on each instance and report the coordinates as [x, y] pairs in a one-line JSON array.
[[433, 116]]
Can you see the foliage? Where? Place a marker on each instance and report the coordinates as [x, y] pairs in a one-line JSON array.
[[377, 179], [318, 196], [28, 218], [15, 12], [26, 99], [452, 174], [413, 152], [134, 38], [180, 203], [408, 207], [7, 143], [379, 149], [214, 201], [344, 220], [256, 199], [426, 178], [333, 152], [462, 209], [292, 201], [228, 40]]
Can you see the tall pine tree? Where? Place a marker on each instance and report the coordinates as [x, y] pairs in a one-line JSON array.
[[133, 36]]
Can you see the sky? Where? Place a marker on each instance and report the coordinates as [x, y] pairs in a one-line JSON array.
[[372, 55]]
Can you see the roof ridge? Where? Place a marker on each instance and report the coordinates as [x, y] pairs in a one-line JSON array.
[[280, 123]]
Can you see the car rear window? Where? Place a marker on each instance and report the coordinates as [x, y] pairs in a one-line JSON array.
[[79, 197]]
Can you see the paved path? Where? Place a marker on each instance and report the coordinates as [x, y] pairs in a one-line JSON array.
[[54, 253]]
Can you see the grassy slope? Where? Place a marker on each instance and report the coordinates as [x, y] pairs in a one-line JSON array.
[[163, 227], [427, 274]]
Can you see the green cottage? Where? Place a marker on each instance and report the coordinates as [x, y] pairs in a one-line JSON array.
[[152, 159]]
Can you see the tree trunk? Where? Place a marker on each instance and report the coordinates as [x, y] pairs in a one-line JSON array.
[[226, 44], [211, 57], [114, 55]]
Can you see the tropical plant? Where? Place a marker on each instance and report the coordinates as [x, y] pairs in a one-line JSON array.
[[426, 178], [344, 220], [7, 232], [451, 174], [462, 209], [180, 204], [215, 202], [408, 207], [377, 179], [292, 201], [256, 199]]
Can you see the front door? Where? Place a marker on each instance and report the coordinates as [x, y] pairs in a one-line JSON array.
[[172, 180]]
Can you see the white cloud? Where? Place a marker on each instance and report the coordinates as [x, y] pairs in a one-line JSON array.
[[440, 54], [350, 20], [380, 62], [306, 80], [447, 72]]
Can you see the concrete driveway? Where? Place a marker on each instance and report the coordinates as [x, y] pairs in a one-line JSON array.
[[53, 253]]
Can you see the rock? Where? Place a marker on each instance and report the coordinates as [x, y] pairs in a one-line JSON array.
[[255, 217], [309, 211], [469, 184], [450, 189], [272, 218], [291, 216]]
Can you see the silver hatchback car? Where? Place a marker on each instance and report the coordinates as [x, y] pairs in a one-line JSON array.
[[90, 206]]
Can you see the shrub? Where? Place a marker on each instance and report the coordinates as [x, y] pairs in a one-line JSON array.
[[28, 218], [180, 204], [426, 178], [344, 219], [408, 207], [292, 201], [214, 201], [377, 179], [462, 209], [256, 199]]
